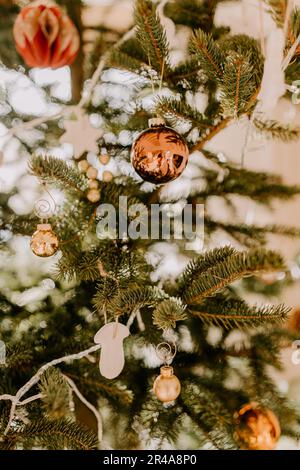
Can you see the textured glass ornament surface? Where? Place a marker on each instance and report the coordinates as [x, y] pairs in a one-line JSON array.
[[159, 154], [257, 428], [45, 36], [44, 242], [166, 386]]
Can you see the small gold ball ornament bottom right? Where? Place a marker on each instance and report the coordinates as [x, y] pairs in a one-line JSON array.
[[257, 428], [166, 386], [44, 242]]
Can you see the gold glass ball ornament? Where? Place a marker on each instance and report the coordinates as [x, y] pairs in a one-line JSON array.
[[83, 165], [166, 386], [44, 242], [93, 195], [257, 428], [107, 176], [92, 172], [159, 154], [93, 184]]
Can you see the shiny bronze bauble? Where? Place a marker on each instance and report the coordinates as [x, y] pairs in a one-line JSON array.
[[166, 386], [44, 242], [159, 154], [257, 428]]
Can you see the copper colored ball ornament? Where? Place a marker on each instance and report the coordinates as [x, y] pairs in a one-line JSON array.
[[93, 195], [257, 428], [107, 176], [44, 242], [92, 172], [93, 184], [83, 165], [45, 36], [166, 386], [293, 323], [159, 154]]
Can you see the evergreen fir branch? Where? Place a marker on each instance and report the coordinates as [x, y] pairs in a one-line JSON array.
[[295, 24], [188, 75], [237, 85], [134, 298], [200, 265], [209, 413], [236, 266], [174, 110], [83, 267], [151, 35], [261, 187], [208, 54], [168, 312], [166, 427], [250, 235], [234, 313], [277, 8], [58, 434], [129, 56], [124, 61], [54, 169], [242, 45], [108, 389], [191, 13], [274, 130], [55, 394]]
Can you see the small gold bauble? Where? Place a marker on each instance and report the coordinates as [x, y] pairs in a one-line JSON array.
[[44, 242], [93, 195], [93, 184], [83, 165], [107, 176], [104, 159], [166, 386], [92, 173], [257, 428], [159, 154]]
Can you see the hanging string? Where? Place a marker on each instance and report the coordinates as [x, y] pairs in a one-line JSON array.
[[166, 352]]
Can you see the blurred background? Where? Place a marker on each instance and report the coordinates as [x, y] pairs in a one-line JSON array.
[[27, 94]]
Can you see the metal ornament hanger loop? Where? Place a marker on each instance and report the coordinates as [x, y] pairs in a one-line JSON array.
[[166, 352]]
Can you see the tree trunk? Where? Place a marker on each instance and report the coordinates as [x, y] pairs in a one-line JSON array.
[[77, 75]]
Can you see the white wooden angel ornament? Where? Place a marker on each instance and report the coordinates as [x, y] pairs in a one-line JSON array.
[[112, 357]]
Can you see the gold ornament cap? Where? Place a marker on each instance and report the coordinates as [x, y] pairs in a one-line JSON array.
[[167, 371], [43, 227], [157, 121]]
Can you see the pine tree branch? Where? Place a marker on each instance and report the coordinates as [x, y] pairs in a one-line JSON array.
[[152, 35], [235, 313], [51, 168], [274, 130], [236, 266], [89, 405], [55, 434], [168, 312], [208, 53], [28, 385]]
